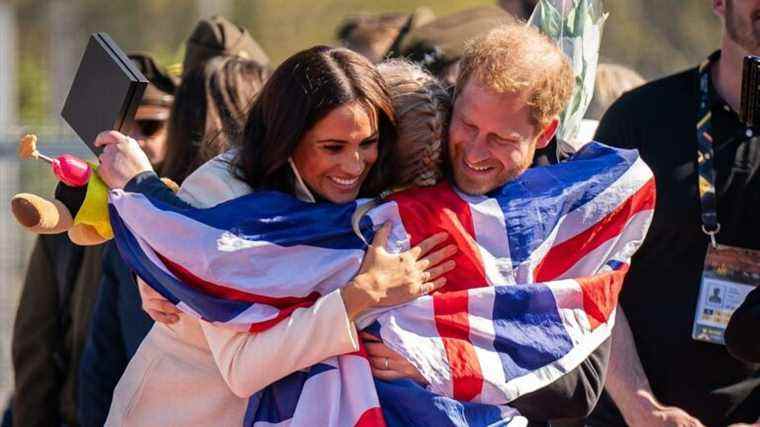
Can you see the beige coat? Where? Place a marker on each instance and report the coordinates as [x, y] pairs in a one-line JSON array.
[[193, 373]]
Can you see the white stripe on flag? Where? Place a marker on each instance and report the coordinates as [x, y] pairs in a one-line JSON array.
[[569, 298], [411, 331], [256, 266], [482, 336], [588, 215], [620, 247], [491, 236], [398, 241]]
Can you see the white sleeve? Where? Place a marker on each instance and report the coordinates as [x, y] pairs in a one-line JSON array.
[[249, 362], [212, 183]]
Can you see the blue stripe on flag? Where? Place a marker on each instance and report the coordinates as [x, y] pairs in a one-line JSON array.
[[405, 403], [534, 202], [281, 219], [214, 309], [278, 401], [615, 264], [529, 331]]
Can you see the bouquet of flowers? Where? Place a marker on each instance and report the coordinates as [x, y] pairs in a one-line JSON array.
[[576, 26]]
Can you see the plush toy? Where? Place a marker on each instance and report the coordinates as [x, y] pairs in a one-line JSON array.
[[80, 206]]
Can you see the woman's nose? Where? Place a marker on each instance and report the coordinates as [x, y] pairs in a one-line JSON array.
[[354, 165]]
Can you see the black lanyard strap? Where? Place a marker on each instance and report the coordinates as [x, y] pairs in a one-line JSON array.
[[705, 156]]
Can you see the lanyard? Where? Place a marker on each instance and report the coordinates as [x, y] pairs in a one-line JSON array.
[[705, 165]]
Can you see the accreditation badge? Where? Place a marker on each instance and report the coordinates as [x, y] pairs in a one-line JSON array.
[[730, 273]]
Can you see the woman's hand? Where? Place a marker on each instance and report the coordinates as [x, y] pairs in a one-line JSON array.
[[157, 307], [388, 365], [121, 160], [390, 279]]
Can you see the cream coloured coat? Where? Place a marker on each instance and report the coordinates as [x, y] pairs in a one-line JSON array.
[[193, 373]]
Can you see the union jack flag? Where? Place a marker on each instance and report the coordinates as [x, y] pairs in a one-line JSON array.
[[540, 264]]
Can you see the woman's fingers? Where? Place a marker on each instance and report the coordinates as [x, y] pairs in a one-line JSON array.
[[389, 369], [433, 286], [428, 244], [378, 349], [387, 375], [162, 317], [163, 306], [439, 270], [367, 337], [436, 257]]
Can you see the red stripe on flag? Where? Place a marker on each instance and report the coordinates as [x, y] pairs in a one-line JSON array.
[[281, 314], [563, 256], [600, 295], [452, 322], [372, 417], [219, 291], [427, 211]]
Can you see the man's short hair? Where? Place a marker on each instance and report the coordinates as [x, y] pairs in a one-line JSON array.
[[517, 57]]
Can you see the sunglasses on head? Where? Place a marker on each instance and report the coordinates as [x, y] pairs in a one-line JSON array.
[[149, 127]]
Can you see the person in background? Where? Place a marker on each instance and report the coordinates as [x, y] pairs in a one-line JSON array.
[[742, 333], [439, 45], [209, 111], [217, 36], [521, 9], [612, 81], [375, 36], [60, 289], [660, 375]]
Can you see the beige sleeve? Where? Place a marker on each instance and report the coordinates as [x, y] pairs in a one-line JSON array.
[[249, 362]]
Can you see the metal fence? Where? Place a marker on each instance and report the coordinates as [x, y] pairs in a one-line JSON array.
[[18, 176]]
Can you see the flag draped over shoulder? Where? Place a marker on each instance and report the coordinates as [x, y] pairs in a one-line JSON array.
[[539, 268]]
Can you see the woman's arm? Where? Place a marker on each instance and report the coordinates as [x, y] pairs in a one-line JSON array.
[[249, 362]]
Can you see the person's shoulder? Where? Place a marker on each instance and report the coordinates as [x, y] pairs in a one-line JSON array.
[[662, 92], [213, 182]]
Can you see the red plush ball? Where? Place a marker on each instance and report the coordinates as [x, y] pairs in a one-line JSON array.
[[71, 170]]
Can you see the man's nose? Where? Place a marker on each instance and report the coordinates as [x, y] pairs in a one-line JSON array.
[[476, 150]]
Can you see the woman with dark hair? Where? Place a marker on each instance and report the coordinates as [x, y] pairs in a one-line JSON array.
[[322, 128]]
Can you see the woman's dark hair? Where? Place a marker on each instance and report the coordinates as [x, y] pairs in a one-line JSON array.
[[300, 92], [209, 112]]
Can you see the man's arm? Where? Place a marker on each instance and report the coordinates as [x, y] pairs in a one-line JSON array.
[[627, 382], [36, 337], [574, 395], [629, 387]]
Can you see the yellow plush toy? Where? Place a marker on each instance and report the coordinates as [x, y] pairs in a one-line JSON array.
[[80, 206]]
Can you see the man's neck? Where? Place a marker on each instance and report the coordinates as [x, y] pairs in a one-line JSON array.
[[727, 73]]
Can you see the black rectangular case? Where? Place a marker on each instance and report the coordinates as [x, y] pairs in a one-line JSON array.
[[105, 93]]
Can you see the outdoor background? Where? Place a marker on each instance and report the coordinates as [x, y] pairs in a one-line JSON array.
[[41, 42]]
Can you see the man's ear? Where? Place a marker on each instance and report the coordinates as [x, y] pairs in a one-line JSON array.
[[719, 7], [547, 134]]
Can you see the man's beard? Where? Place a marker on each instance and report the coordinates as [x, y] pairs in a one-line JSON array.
[[741, 30]]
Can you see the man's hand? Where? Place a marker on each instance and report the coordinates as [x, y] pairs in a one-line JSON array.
[[388, 365], [657, 414], [157, 307], [121, 160]]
